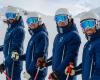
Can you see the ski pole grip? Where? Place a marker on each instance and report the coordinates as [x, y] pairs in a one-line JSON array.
[[70, 67]]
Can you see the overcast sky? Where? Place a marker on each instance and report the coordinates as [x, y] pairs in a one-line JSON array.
[[49, 7]]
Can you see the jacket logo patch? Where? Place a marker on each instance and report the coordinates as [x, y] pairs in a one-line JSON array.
[[90, 47], [61, 39]]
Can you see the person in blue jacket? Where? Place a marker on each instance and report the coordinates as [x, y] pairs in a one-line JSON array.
[[65, 47], [37, 48], [90, 66], [13, 44]]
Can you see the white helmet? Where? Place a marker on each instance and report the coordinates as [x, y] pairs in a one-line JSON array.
[[89, 15], [34, 14], [62, 11], [11, 9]]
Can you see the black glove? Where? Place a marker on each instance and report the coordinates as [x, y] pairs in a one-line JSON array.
[[53, 76], [2, 68]]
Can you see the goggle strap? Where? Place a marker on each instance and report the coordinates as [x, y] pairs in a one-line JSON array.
[[87, 19]]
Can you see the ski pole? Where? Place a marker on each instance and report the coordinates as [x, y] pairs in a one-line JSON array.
[[8, 78], [12, 70], [67, 76], [35, 78], [15, 57]]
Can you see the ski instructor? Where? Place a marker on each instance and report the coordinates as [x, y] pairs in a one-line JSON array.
[[65, 47], [91, 53], [13, 43], [37, 48]]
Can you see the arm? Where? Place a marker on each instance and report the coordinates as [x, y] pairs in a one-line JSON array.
[[42, 47], [40, 51], [72, 51], [89, 61], [16, 44], [49, 62], [78, 69], [22, 57], [1, 47]]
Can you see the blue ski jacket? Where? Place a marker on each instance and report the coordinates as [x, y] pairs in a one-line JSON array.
[[37, 47]]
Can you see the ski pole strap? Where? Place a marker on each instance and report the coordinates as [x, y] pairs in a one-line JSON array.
[[41, 69], [8, 78], [36, 76], [67, 76]]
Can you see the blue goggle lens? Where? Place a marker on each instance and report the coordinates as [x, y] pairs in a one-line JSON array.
[[61, 18], [10, 15], [32, 20], [88, 24]]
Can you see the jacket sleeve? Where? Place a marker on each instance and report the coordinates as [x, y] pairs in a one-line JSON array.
[[41, 48], [71, 53], [22, 57], [16, 44], [17, 41], [90, 61], [78, 69], [49, 61], [1, 47]]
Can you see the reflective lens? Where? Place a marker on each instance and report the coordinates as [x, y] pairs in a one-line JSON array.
[[88, 23], [61, 18], [10, 15], [32, 20]]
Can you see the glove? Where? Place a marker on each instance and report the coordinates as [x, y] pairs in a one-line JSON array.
[[26, 75], [9, 21], [53, 76], [69, 70], [41, 62], [2, 68], [15, 56], [5, 21]]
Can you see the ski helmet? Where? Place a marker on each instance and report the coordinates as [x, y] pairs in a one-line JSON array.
[[10, 9], [34, 14], [62, 11], [91, 15]]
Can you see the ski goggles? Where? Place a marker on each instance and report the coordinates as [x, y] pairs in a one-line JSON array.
[[32, 20], [10, 15], [89, 23], [61, 18]]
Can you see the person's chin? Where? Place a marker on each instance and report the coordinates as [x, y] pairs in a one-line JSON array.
[[89, 33]]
